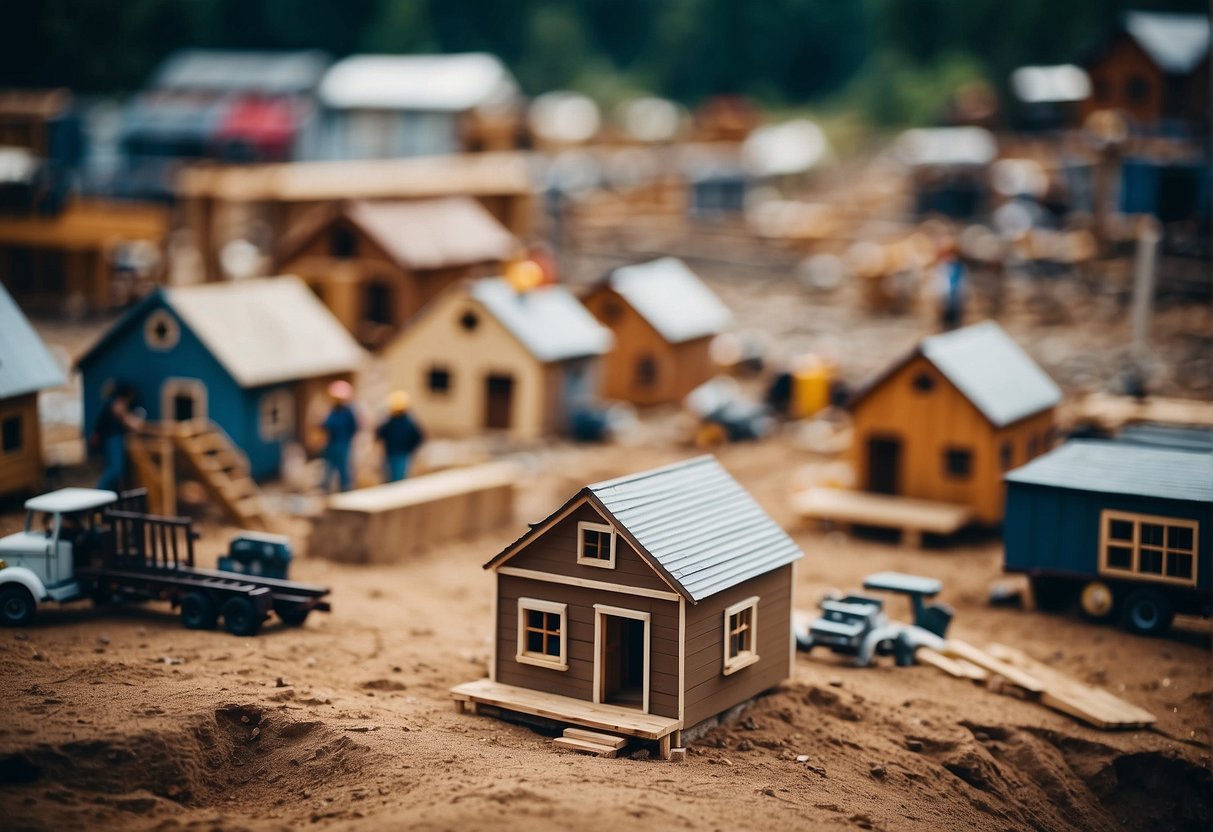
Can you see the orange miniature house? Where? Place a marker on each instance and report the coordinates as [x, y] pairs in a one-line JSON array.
[[948, 420], [642, 606], [664, 318]]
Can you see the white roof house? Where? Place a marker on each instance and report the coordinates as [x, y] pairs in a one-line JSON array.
[[672, 299], [1176, 42], [25, 364], [548, 320], [424, 83]]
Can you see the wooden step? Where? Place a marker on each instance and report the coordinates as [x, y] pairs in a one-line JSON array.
[[597, 737], [570, 744]]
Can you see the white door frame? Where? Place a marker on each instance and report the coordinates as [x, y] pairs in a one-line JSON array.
[[601, 610]]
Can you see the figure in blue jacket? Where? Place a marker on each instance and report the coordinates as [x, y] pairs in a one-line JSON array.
[[340, 426], [400, 435]]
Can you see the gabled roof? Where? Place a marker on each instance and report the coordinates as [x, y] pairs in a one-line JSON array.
[[25, 364], [692, 522], [448, 83], [988, 368], [419, 234], [227, 70], [262, 330], [1121, 468], [548, 321], [672, 299], [1175, 42]]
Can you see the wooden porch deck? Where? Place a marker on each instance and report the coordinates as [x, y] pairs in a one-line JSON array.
[[626, 721], [913, 517]]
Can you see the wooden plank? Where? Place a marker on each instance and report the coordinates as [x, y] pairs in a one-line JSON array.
[[1066, 694], [960, 649], [959, 668], [880, 510], [570, 744], [595, 737]]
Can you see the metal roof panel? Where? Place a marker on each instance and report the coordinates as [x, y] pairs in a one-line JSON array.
[[1121, 468]]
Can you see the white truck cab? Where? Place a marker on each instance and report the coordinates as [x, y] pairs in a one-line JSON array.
[[36, 564]]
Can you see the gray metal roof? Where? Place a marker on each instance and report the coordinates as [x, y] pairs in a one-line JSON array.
[[992, 371], [548, 320], [699, 525], [672, 299], [1175, 437], [71, 499], [25, 364], [1176, 42], [1121, 468], [225, 70]]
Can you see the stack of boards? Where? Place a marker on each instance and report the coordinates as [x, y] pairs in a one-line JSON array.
[[999, 666]]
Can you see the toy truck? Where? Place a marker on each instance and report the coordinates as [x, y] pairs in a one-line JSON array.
[[87, 543]]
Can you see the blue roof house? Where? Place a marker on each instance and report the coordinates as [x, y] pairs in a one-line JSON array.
[[252, 357]]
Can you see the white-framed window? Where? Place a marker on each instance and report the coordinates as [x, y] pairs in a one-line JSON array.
[[596, 545], [1148, 547], [740, 635], [276, 415], [161, 331], [543, 633]]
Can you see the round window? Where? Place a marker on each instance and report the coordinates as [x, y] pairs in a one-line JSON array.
[[161, 330]]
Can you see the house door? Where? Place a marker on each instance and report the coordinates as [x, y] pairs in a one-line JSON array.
[[498, 401], [183, 400], [622, 670], [884, 464]]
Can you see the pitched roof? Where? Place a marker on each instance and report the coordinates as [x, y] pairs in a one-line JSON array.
[[1122, 468], [25, 364], [228, 70], [451, 83], [262, 330], [672, 299], [1175, 42], [434, 233], [549, 322], [692, 522]]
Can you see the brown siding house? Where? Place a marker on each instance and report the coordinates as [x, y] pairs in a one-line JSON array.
[[644, 605]]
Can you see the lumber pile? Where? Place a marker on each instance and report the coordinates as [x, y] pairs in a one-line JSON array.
[[1001, 667], [389, 523]]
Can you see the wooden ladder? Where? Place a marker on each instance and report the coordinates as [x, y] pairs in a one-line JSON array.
[[151, 455], [224, 471]]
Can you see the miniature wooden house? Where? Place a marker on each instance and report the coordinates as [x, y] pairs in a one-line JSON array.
[[251, 358], [644, 605], [946, 421], [376, 263], [25, 368], [485, 356], [664, 318]]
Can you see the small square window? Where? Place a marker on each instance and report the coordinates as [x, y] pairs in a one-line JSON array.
[[924, 383], [1152, 534], [740, 635], [1006, 455], [1120, 557], [958, 463], [1150, 562], [542, 634], [438, 380], [1033, 447], [646, 371], [1121, 530], [1179, 565], [1179, 537], [596, 545], [469, 321], [11, 438]]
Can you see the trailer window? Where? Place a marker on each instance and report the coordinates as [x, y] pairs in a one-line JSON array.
[[1148, 547]]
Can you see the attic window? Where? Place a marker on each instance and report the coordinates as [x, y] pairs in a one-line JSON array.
[[469, 321], [596, 545], [646, 371], [924, 383], [342, 243], [542, 634], [161, 331], [740, 635]]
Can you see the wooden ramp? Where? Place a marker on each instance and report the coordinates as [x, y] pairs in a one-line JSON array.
[[913, 517]]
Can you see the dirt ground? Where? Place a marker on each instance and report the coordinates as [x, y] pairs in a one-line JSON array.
[[122, 719]]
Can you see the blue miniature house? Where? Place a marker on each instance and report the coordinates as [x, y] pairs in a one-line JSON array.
[[252, 357]]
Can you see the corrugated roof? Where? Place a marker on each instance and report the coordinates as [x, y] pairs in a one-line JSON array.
[[1176, 42], [698, 523], [435, 233], [548, 321], [25, 364], [672, 298], [1121, 468], [451, 83], [991, 370], [1175, 437], [266, 330], [224, 70]]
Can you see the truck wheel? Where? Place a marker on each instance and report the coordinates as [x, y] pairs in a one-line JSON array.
[[198, 611], [1051, 594], [240, 617], [17, 606], [1097, 601], [292, 615], [1147, 612]]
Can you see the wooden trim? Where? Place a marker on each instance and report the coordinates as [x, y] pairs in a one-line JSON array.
[[599, 646], [171, 387], [538, 605], [682, 657], [1134, 571], [576, 502], [606, 586], [494, 603], [172, 329], [605, 528], [747, 657], [792, 622]]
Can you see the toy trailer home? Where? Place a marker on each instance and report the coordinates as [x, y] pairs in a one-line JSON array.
[[1121, 527], [25, 368], [487, 356], [642, 606], [376, 263], [234, 364], [663, 317]]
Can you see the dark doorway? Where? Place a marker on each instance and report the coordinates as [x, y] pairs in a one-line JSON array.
[[183, 407], [379, 303], [498, 401], [884, 464], [622, 673]]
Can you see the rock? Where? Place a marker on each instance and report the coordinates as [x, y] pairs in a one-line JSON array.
[[981, 736], [818, 770], [104, 640], [745, 745], [281, 683], [642, 754], [768, 791], [720, 743], [879, 772], [914, 745], [835, 683], [802, 758], [21, 637], [749, 724]]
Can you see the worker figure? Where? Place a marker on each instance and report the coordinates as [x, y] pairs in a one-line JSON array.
[[951, 278], [400, 435], [115, 420], [339, 426]]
